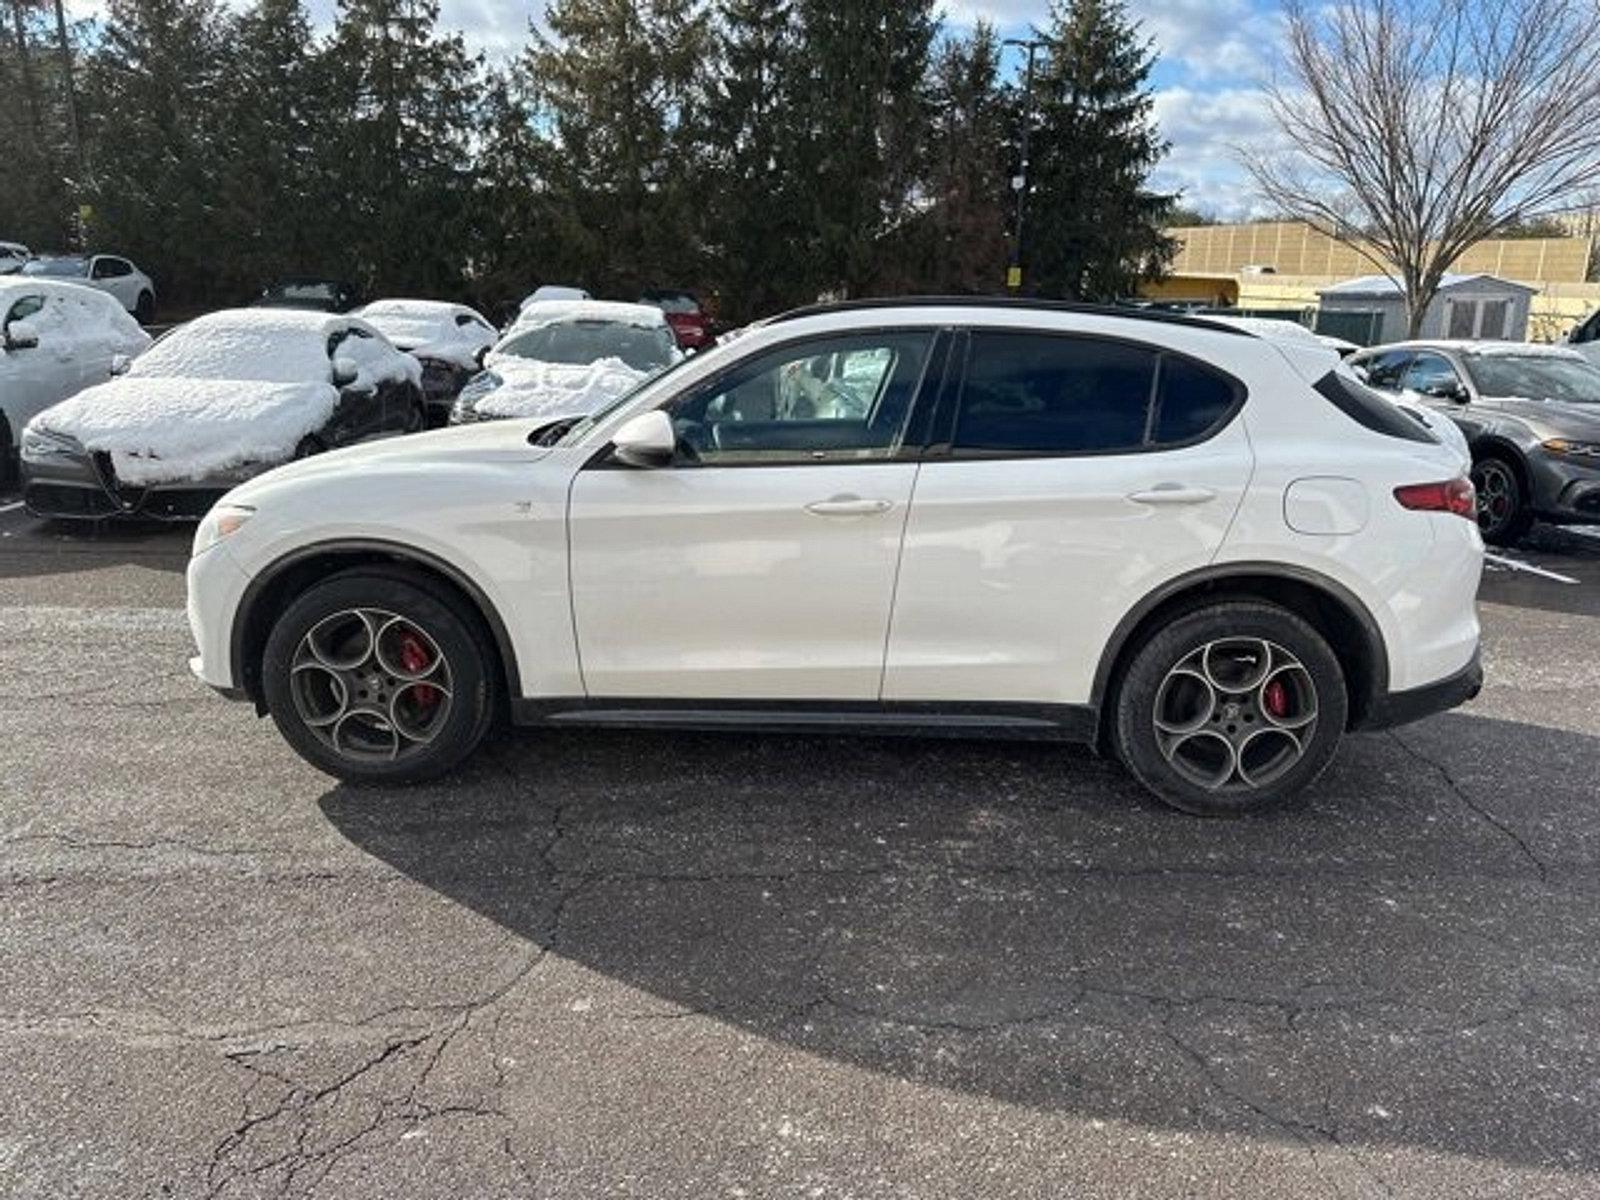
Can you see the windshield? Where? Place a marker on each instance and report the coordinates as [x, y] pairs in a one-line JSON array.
[[67, 267], [1535, 377], [677, 303], [315, 289], [579, 343]]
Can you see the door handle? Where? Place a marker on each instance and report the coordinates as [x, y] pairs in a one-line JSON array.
[[848, 506], [1173, 494]]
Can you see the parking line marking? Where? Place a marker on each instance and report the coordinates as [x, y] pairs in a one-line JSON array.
[[15, 504], [1518, 565]]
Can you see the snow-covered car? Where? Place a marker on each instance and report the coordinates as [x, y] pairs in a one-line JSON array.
[[555, 291], [109, 273], [211, 404], [311, 292], [12, 256], [449, 340], [566, 359], [55, 340]]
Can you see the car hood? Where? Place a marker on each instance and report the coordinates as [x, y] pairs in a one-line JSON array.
[[1580, 421], [530, 388], [499, 441]]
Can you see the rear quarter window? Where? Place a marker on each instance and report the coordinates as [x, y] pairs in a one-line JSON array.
[[1370, 410]]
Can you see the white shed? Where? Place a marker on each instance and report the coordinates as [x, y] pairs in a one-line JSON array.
[[1467, 306]]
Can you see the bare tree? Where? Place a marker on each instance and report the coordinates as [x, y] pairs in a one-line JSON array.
[[1417, 128]]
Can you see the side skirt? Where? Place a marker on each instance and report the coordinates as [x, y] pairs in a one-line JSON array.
[[1029, 722]]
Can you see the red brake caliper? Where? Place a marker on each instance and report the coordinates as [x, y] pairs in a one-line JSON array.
[[414, 657], [1276, 699]]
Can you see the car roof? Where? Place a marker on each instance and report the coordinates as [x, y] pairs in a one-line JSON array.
[[551, 312], [992, 304], [1484, 347]]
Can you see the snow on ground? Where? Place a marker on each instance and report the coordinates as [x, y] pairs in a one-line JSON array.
[[541, 389], [174, 430]]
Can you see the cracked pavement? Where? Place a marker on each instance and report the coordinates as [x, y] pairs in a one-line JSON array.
[[692, 965]]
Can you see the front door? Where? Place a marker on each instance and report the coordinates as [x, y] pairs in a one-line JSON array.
[[760, 565]]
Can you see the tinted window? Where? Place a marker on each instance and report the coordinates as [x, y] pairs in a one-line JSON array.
[[1054, 395], [1431, 375], [836, 399], [111, 268], [586, 341], [1193, 400], [1385, 369]]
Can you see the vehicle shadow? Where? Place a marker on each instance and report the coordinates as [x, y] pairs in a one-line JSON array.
[[1409, 960], [1571, 554]]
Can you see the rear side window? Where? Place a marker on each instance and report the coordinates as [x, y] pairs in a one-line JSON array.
[[1051, 395], [1366, 407]]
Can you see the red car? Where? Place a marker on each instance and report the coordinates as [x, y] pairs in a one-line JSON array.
[[684, 313]]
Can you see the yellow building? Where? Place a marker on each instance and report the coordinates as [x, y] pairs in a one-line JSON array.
[[1283, 265]]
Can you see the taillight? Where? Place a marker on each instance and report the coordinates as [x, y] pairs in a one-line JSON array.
[[1452, 496]]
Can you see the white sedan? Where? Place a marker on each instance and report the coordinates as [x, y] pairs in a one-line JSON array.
[[109, 273], [564, 359], [57, 340]]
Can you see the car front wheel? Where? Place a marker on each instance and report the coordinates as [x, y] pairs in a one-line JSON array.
[[374, 677], [1503, 515], [1233, 708]]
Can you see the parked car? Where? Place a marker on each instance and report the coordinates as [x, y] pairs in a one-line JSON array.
[[1585, 338], [566, 358], [555, 291], [684, 313], [213, 403], [310, 292], [1204, 551], [109, 273], [1531, 417], [449, 340], [12, 256], [55, 340]]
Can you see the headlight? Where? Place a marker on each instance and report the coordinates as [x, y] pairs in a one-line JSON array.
[[480, 385], [1571, 449], [222, 521], [44, 445]]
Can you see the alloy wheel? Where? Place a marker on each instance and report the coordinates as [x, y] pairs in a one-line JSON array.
[[1497, 495], [1236, 714], [371, 685]]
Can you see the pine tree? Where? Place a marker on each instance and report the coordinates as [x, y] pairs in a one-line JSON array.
[[863, 100], [754, 232], [619, 87], [35, 192], [512, 239], [153, 88], [394, 170], [1094, 229]]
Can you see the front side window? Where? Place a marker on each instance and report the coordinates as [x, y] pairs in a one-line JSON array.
[[840, 399], [1384, 371], [23, 309], [1431, 375], [111, 268], [1041, 394]]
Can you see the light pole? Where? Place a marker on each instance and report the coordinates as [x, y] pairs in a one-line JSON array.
[[1019, 181]]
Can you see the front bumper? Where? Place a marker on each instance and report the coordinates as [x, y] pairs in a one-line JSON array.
[[1402, 708], [1565, 491], [216, 586], [86, 489]]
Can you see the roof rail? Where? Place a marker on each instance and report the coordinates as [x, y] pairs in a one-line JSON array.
[[1006, 302]]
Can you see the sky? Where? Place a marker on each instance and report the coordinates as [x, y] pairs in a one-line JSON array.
[[1213, 58]]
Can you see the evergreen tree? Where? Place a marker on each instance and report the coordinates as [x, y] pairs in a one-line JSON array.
[[394, 169], [36, 204], [154, 92], [511, 238], [754, 229], [266, 193], [619, 86], [1094, 229], [862, 95]]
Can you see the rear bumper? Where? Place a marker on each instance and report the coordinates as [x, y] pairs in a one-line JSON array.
[[1402, 708]]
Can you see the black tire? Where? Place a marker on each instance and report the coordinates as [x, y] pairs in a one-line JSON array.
[[1504, 517], [144, 309], [1259, 724], [353, 747], [309, 445], [10, 463]]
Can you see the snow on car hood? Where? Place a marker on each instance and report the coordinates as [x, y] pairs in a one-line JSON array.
[[545, 389], [175, 430]]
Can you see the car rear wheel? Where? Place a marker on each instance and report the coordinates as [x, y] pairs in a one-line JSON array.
[[373, 677], [144, 309], [1503, 515], [1231, 709]]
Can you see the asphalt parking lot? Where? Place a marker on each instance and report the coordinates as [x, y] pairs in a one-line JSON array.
[[694, 966]]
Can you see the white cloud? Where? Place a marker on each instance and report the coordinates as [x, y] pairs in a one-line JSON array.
[[1207, 131]]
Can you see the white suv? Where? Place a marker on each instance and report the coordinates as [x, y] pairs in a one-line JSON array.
[[1207, 553]]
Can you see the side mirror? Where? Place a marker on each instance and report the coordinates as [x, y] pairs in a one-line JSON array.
[[1361, 373], [345, 372], [120, 364], [647, 440], [21, 341]]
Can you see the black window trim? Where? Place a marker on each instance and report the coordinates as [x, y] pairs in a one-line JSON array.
[[943, 449], [930, 384]]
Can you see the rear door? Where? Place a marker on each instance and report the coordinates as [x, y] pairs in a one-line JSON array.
[[1075, 475]]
